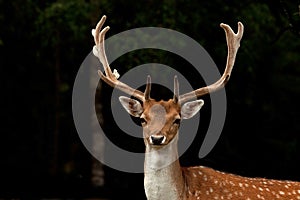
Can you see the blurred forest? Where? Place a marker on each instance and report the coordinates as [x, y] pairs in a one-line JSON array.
[[43, 44]]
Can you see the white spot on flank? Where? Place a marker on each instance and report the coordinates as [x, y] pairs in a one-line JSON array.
[[197, 193], [225, 190], [281, 192], [271, 183], [194, 175]]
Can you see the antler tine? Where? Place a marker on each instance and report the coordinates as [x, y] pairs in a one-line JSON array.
[[176, 90], [110, 77], [148, 88], [233, 44]]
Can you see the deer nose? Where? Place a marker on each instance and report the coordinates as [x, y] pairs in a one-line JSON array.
[[157, 139]]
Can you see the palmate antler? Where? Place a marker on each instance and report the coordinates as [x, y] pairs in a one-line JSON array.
[[233, 43]]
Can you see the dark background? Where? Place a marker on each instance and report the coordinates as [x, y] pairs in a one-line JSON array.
[[43, 43]]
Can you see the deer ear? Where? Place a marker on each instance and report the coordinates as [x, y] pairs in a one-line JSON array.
[[132, 106], [189, 109]]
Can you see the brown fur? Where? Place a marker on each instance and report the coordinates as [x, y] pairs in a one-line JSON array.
[[206, 183]]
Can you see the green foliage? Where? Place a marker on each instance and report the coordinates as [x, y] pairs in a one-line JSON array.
[[70, 18]]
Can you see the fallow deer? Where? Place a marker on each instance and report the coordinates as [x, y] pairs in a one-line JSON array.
[[164, 178]]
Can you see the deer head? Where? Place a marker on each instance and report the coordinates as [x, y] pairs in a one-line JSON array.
[[161, 119]]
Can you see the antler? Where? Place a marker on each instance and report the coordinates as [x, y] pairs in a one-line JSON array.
[[110, 77], [233, 43]]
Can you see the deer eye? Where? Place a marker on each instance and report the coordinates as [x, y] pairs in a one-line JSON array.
[[176, 121], [143, 121]]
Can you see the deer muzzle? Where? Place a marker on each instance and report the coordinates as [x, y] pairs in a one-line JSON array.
[[157, 139]]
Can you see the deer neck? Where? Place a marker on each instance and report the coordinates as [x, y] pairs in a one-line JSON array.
[[163, 175]]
